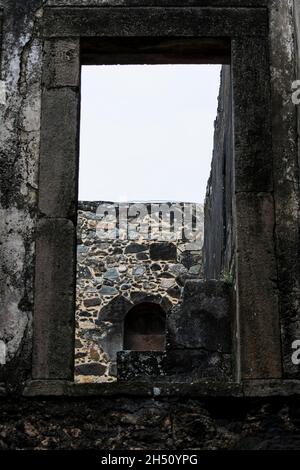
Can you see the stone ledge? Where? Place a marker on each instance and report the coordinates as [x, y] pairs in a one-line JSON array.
[[205, 389], [159, 3], [145, 21]]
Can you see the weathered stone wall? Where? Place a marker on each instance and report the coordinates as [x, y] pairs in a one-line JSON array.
[[219, 242], [145, 423], [220, 245], [20, 124], [139, 421], [286, 173], [135, 269]]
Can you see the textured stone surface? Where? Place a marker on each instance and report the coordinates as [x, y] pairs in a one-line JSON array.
[[239, 213], [53, 351], [163, 251], [219, 240], [206, 22], [286, 171], [199, 339], [112, 277], [131, 365], [163, 3], [259, 320], [145, 423], [19, 155], [61, 59], [58, 172], [203, 319]]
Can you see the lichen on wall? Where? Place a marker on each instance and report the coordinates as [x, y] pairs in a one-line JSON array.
[[19, 136]]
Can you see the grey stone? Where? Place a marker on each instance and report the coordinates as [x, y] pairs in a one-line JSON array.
[[59, 132], [285, 116], [92, 302], [139, 365], [91, 368], [177, 269], [122, 269], [138, 271], [142, 256], [92, 334], [195, 269], [54, 317], [155, 267], [174, 292], [83, 272], [61, 59], [111, 273], [82, 249], [260, 352], [125, 286], [108, 290], [188, 365], [135, 248], [163, 251], [165, 275], [68, 22], [203, 319], [116, 310]]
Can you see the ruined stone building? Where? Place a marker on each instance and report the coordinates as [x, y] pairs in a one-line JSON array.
[[115, 276], [152, 345]]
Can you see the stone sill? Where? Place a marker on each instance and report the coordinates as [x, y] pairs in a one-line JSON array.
[[205, 389], [162, 3]]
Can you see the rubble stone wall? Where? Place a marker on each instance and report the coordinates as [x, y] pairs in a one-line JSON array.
[[134, 269]]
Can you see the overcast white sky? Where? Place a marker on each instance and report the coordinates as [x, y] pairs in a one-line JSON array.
[[147, 131]]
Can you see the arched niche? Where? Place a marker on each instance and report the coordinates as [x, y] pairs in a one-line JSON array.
[[145, 328]]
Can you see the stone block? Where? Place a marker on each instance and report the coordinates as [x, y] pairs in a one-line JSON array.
[[253, 142], [205, 22], [163, 251], [257, 287], [61, 63], [54, 308], [59, 153], [203, 319], [187, 365], [90, 368], [142, 365], [135, 248]]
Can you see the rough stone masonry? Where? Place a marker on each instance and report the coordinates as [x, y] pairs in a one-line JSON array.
[[251, 233], [114, 274]]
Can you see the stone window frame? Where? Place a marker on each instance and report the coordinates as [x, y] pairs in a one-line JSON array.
[[69, 32]]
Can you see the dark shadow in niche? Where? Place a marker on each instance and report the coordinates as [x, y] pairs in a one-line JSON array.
[[145, 328], [111, 321]]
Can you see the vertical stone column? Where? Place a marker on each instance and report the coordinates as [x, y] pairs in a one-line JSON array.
[[282, 19], [55, 279], [257, 303]]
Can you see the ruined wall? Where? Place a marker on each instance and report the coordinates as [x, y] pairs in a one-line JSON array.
[[286, 173], [219, 242], [19, 135], [145, 423], [220, 232], [131, 419], [134, 269]]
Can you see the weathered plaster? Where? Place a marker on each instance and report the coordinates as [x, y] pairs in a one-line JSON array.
[[19, 135], [286, 175]]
